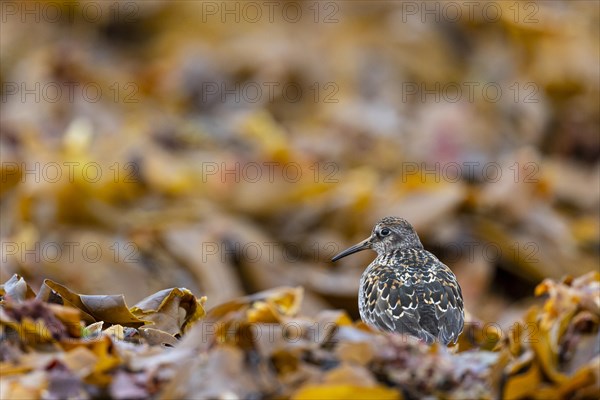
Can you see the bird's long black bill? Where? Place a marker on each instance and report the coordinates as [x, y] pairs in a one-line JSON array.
[[365, 244]]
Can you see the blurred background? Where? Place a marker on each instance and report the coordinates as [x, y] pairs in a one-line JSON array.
[[231, 147]]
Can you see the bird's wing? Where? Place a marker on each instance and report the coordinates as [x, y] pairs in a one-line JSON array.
[[448, 301], [394, 305]]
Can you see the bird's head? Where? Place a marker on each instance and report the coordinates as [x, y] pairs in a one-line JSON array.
[[389, 234]]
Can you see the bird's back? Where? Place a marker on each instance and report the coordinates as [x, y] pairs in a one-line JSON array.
[[410, 291]]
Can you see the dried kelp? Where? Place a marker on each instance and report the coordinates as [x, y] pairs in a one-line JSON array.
[[259, 346]]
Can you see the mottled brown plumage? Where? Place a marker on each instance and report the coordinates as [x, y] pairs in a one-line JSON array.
[[406, 289]]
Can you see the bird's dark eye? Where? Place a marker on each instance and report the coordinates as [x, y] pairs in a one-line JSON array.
[[384, 232]]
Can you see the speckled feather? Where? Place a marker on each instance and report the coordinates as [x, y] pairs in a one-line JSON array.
[[412, 292]]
